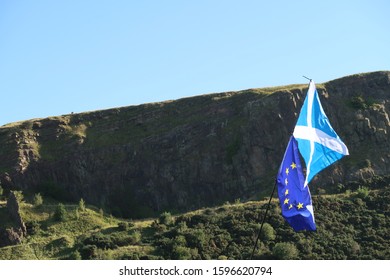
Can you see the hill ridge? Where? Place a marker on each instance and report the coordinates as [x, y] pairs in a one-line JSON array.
[[141, 160]]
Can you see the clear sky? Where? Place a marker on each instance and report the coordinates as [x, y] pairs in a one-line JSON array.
[[58, 57]]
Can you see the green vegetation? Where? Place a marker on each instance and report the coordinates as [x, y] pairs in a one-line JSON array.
[[351, 225], [60, 213], [363, 192], [285, 251], [82, 205], [359, 102], [166, 219], [38, 199], [19, 196]]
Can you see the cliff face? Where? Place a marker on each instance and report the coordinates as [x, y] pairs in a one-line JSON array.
[[193, 152]]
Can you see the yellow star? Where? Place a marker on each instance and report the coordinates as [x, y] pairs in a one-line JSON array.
[[291, 206], [286, 192], [285, 181], [287, 171], [286, 201], [293, 165], [300, 205]]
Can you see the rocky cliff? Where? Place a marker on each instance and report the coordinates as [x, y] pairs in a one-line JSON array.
[[14, 232], [194, 152]]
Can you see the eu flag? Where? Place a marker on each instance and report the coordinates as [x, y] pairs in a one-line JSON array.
[[294, 195]]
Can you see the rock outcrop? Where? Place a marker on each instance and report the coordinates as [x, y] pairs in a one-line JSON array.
[[13, 208], [194, 152], [15, 234]]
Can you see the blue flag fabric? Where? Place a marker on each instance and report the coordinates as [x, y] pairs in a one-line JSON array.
[[295, 199], [318, 143]]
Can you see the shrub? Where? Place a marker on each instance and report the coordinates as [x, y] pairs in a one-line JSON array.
[[123, 226], [38, 199], [89, 252], [75, 255], [181, 253], [135, 237], [197, 238], [1, 190], [166, 218], [131, 224], [358, 102], [19, 196], [77, 214], [101, 241], [82, 205], [340, 188], [33, 227], [60, 213], [362, 192], [267, 232], [285, 251], [180, 240]]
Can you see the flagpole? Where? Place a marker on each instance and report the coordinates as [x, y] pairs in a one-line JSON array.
[[262, 223]]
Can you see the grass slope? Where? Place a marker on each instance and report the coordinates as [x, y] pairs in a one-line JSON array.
[[353, 225]]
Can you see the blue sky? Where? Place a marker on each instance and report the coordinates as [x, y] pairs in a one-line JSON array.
[[58, 57]]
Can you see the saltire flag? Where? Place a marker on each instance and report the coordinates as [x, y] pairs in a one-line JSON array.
[[318, 143], [320, 146], [294, 197]]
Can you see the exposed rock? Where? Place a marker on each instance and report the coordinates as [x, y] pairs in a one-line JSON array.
[[15, 234], [14, 211], [193, 152], [10, 236]]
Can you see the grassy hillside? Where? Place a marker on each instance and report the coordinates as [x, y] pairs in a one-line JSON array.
[[351, 225]]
